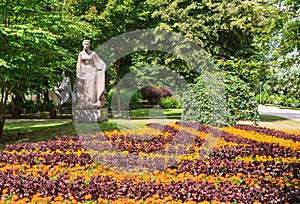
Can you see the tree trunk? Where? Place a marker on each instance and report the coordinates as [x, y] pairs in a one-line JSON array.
[[15, 108], [1, 129], [46, 92], [2, 119], [118, 88], [3, 106], [46, 96]]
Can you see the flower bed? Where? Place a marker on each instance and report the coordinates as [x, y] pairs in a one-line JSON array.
[[179, 163]]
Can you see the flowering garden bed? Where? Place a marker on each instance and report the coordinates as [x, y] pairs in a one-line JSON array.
[[179, 163]]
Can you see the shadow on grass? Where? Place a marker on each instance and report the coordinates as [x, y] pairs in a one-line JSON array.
[[35, 131], [271, 118]]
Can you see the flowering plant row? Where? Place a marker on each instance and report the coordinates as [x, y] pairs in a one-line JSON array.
[[177, 163]]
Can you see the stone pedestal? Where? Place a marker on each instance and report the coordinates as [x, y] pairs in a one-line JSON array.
[[89, 114]]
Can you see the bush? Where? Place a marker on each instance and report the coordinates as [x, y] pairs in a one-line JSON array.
[[282, 100], [240, 103], [165, 92], [45, 106], [291, 102], [153, 94], [29, 106], [169, 102], [265, 98]]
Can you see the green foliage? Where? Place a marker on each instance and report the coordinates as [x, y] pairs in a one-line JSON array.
[[222, 28], [281, 100], [29, 106], [263, 98], [280, 42], [240, 100], [226, 30], [134, 98], [198, 105], [251, 40], [282, 36], [169, 102], [283, 87], [31, 56]]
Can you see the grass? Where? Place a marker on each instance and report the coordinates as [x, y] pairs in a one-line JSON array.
[[140, 123], [271, 118], [276, 122], [155, 112], [292, 108], [16, 131], [19, 126], [140, 117], [33, 130]]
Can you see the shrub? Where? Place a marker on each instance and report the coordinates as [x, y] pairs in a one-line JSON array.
[[291, 102], [151, 94], [165, 92], [282, 100], [240, 102], [265, 98], [169, 102], [154, 94]]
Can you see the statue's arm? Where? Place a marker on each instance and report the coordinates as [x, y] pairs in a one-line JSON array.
[[78, 66]]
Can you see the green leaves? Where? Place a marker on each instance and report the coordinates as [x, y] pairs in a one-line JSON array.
[[221, 28], [202, 103]]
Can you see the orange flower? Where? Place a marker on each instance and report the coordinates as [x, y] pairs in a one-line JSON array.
[[88, 197], [14, 198], [59, 198], [4, 191]]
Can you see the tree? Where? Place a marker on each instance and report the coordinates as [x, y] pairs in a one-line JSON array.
[[120, 17], [30, 51], [226, 30], [27, 55], [280, 42]]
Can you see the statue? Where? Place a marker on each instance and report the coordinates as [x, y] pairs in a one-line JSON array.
[[61, 95], [90, 73]]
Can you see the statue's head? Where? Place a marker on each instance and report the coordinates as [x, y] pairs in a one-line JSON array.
[[86, 44]]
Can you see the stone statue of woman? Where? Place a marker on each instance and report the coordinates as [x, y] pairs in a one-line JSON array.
[[90, 73]]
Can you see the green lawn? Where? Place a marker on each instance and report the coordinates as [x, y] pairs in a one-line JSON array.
[[155, 112], [275, 122], [271, 118], [32, 130], [20, 126]]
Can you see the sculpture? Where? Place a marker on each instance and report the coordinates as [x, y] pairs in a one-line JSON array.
[[90, 73], [61, 95]]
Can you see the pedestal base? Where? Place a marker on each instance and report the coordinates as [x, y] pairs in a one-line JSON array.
[[89, 114]]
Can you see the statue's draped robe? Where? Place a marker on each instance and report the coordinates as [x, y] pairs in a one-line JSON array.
[[91, 69], [61, 94]]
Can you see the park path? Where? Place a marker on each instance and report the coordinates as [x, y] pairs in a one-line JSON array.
[[287, 113]]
